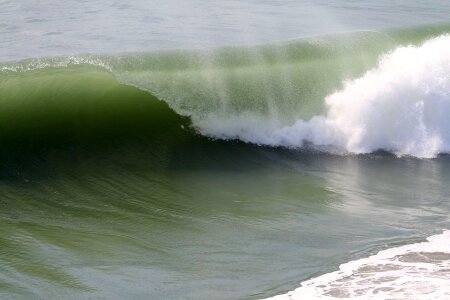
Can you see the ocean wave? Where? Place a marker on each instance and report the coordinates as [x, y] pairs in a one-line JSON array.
[[326, 91]]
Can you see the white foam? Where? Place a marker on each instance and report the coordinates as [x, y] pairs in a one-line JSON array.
[[401, 106], [53, 62], [414, 271]]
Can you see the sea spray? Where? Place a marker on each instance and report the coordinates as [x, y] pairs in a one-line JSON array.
[[400, 106]]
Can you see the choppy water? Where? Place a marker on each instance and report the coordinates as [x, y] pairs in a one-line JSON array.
[[316, 140]]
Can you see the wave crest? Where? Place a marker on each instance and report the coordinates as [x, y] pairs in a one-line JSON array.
[[400, 106]]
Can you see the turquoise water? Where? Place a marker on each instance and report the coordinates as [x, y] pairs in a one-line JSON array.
[[141, 160]]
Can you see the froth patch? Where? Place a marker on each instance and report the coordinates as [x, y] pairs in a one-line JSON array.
[[414, 271], [401, 106]]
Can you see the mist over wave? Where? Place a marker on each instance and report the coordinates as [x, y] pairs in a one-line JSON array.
[[400, 106]]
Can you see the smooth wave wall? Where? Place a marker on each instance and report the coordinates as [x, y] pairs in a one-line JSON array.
[[81, 105]]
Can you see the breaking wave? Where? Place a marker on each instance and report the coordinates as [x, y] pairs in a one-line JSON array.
[[401, 106], [350, 93]]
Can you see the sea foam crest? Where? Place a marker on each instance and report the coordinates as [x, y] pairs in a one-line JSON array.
[[414, 271], [401, 106], [53, 62]]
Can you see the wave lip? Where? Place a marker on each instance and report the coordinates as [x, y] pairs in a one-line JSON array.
[[414, 271]]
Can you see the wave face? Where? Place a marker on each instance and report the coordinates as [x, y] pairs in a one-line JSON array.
[[84, 105], [307, 91], [418, 271]]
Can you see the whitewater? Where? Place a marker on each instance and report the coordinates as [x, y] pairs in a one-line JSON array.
[[400, 106], [414, 271]]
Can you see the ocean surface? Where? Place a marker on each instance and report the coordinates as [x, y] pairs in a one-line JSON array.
[[224, 149]]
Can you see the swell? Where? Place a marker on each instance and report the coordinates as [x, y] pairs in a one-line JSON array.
[[256, 94]]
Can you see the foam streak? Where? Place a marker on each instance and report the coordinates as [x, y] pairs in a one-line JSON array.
[[414, 271]]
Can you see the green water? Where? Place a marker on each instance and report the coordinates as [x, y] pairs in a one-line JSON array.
[[223, 221], [276, 83], [107, 193]]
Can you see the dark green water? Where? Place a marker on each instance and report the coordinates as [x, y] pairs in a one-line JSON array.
[[220, 221], [107, 193]]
